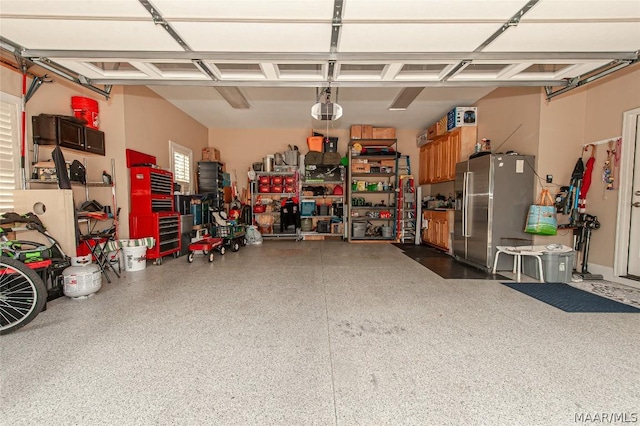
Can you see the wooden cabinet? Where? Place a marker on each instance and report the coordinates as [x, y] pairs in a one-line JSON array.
[[438, 158], [437, 231], [68, 133], [422, 165]]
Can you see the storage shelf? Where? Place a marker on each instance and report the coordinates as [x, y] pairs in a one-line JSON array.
[[387, 154], [373, 175], [318, 217], [275, 193], [373, 192], [373, 238], [89, 184], [320, 196], [275, 173], [317, 182], [373, 142], [374, 157], [366, 219], [326, 234]]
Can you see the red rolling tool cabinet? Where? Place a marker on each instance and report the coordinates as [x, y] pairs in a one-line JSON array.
[[152, 211]]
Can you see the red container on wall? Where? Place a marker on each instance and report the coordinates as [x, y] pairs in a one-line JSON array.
[[264, 188], [86, 109], [264, 180], [276, 189], [276, 180], [289, 189]]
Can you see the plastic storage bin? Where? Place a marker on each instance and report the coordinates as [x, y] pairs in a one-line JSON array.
[[358, 229], [330, 144], [308, 208], [556, 266]]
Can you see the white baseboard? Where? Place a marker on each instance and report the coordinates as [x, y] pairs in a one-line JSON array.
[[607, 274]]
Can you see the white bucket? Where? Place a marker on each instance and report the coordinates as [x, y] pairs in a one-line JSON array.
[[135, 258]]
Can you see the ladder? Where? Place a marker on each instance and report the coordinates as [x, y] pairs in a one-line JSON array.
[[406, 212], [404, 165]]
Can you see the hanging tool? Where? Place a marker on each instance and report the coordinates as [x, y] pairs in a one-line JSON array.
[[571, 206], [586, 180]]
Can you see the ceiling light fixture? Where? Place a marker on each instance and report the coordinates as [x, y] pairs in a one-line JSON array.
[[234, 97], [405, 98], [324, 109]]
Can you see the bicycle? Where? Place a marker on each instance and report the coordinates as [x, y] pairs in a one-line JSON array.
[[23, 295]]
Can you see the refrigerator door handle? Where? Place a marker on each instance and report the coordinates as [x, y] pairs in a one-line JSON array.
[[465, 203]]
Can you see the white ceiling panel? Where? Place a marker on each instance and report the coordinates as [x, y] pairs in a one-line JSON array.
[[246, 9], [260, 37], [291, 107], [569, 37], [430, 9], [112, 8], [87, 35], [584, 9], [414, 37]]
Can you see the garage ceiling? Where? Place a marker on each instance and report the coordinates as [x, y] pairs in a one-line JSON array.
[[205, 56]]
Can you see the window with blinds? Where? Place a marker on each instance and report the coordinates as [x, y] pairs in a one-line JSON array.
[[9, 152], [181, 166]]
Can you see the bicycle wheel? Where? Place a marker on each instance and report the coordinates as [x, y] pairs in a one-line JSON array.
[[22, 295]]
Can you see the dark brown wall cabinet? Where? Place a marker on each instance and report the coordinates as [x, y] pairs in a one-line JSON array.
[[66, 132]]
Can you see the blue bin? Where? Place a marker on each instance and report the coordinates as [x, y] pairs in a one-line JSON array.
[[308, 207]]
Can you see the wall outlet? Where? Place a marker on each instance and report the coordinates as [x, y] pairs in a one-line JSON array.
[[549, 178]]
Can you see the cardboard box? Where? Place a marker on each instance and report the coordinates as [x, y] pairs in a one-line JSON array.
[[384, 133], [356, 131], [360, 168], [388, 163], [210, 154], [441, 126], [432, 131], [367, 132], [359, 160], [421, 139], [462, 116]]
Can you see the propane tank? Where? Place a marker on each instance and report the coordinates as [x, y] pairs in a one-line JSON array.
[[82, 280]]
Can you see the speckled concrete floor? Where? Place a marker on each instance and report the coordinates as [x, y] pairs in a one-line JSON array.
[[315, 333]]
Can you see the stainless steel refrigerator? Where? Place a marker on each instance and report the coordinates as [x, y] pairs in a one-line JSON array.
[[493, 195]]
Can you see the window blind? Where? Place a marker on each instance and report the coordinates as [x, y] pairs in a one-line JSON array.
[[9, 155], [181, 165]]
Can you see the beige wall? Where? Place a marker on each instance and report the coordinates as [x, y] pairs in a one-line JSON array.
[[510, 110], [133, 117], [561, 136], [149, 123], [55, 98], [500, 113], [555, 132], [240, 148], [604, 103]]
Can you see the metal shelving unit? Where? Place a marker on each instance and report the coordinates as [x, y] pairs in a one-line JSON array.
[[371, 207], [269, 222], [336, 202]]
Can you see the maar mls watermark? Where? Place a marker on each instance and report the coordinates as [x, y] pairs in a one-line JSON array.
[[606, 417]]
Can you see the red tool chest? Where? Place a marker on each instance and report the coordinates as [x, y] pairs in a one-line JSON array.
[[152, 211]]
